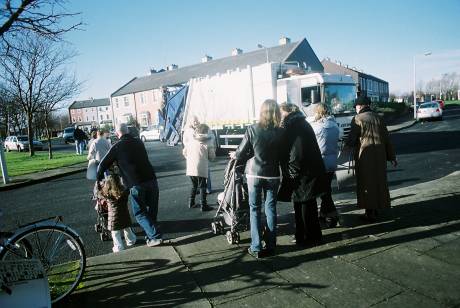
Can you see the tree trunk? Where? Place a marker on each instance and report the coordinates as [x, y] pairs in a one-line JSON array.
[[48, 136], [30, 133]]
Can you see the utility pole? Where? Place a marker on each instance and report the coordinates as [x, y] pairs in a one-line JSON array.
[[6, 179]]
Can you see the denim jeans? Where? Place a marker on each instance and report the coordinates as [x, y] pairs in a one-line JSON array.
[[208, 181], [79, 146], [144, 203], [257, 187]]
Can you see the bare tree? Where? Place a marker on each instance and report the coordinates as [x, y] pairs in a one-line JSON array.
[[42, 17], [36, 73]]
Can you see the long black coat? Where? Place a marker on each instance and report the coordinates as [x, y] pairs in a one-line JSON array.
[[304, 173]]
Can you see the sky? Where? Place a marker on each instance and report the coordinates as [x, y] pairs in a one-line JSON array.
[[123, 39]]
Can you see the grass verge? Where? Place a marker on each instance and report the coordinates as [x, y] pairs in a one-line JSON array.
[[21, 163]]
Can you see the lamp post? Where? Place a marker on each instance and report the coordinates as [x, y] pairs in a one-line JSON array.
[[415, 85], [266, 50]]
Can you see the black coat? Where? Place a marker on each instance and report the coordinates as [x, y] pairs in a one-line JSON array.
[[304, 174], [79, 134], [262, 149], [131, 157]]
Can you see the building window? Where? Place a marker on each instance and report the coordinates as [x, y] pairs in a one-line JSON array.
[[116, 105], [126, 101], [144, 119], [79, 119], [106, 108], [72, 111], [94, 118], [102, 117], [73, 120], [142, 98], [87, 119], [107, 116]]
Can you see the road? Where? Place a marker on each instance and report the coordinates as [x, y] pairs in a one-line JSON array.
[[426, 151]]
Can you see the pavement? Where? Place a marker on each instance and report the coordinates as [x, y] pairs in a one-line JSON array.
[[409, 258], [39, 177]]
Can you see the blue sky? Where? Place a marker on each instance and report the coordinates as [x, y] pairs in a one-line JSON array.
[[123, 39]]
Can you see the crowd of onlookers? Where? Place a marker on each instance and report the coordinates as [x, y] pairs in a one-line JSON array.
[[286, 159]]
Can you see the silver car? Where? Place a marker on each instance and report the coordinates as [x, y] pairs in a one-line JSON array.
[[20, 143], [431, 110]]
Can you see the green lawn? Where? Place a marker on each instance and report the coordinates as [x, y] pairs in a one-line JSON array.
[[22, 163], [447, 103]]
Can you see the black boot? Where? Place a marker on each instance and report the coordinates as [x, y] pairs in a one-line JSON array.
[[204, 204], [191, 203]]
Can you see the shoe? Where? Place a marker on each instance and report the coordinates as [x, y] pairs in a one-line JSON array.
[[129, 244], [191, 204], [208, 191], [154, 242], [117, 249], [206, 208], [269, 252], [255, 254]]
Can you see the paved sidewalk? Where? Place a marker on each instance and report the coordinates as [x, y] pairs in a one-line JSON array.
[[408, 259]]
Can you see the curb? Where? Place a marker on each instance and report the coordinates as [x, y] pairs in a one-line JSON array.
[[410, 124], [28, 182]]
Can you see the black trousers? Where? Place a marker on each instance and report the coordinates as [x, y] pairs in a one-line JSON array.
[[327, 204], [198, 182], [307, 227]]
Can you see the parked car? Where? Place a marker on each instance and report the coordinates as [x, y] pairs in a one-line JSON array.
[[21, 143], [68, 135], [430, 110], [151, 133], [440, 102]]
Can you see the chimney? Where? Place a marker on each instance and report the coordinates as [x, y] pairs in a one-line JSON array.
[[152, 71], [284, 40], [172, 67], [236, 51], [206, 58]]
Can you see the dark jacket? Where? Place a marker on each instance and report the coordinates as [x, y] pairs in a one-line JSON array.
[[79, 134], [372, 149], [118, 215], [131, 157], [304, 173], [261, 149]]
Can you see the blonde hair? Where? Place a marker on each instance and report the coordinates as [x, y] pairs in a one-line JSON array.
[[270, 115], [321, 111], [112, 189]]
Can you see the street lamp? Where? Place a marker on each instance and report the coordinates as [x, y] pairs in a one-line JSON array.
[[266, 50], [415, 85]]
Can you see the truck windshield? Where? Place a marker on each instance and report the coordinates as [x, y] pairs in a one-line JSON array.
[[340, 97]]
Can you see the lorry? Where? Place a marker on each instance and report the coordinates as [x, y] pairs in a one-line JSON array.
[[228, 102]]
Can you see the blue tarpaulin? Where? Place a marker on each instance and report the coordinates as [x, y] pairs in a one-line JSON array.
[[171, 118]]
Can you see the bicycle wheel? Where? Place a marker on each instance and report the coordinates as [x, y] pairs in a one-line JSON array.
[[60, 251]]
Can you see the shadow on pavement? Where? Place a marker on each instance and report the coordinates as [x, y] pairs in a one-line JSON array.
[[410, 142]]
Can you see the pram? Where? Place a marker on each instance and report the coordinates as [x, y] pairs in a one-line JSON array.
[[102, 208], [233, 210]]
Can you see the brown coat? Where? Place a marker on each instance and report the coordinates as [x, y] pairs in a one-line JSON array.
[[118, 213], [372, 149]]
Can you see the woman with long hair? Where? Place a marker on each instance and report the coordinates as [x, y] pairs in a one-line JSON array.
[[261, 149]]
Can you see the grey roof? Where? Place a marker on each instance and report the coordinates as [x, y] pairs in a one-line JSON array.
[[334, 68], [90, 103], [280, 54]]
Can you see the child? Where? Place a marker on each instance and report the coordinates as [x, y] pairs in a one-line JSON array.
[[198, 151], [118, 215]]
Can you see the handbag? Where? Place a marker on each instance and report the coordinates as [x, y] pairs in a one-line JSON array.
[[91, 171]]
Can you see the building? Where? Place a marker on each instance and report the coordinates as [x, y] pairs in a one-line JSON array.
[[142, 97], [375, 88], [91, 113]]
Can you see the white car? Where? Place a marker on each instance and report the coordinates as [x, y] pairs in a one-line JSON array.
[[21, 143], [152, 133], [431, 110]]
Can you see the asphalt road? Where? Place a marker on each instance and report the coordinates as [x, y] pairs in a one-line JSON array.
[[426, 151]]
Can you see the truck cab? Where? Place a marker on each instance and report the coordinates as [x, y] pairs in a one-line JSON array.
[[338, 92]]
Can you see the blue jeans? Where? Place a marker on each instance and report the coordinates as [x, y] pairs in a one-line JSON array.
[[208, 181], [256, 187], [79, 146], [144, 203]]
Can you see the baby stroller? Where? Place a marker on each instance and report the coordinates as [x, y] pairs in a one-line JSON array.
[[233, 202], [102, 209]]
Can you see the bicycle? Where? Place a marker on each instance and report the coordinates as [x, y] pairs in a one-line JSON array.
[[58, 247]]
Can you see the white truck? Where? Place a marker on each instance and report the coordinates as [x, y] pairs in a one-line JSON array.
[[230, 101]]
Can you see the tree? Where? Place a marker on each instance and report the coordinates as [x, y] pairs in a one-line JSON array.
[[42, 17], [36, 73]]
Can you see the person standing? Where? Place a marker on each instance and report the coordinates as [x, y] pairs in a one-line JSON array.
[[79, 136], [139, 177], [261, 148], [327, 135], [306, 175], [198, 152], [372, 149], [98, 147]]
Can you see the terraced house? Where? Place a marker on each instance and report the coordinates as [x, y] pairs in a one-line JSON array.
[[90, 113]]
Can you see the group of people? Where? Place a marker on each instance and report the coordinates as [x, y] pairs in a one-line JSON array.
[[286, 159], [82, 142]]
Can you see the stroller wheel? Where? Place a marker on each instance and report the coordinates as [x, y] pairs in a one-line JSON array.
[[229, 237], [104, 236], [214, 228], [97, 228]]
